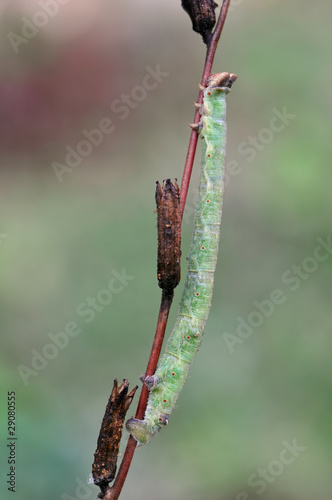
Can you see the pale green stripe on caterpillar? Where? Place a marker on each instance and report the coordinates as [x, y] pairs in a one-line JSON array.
[[185, 339]]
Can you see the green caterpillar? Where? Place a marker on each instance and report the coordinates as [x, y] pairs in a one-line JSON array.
[[185, 339]]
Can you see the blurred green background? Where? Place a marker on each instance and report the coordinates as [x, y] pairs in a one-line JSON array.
[[62, 237]]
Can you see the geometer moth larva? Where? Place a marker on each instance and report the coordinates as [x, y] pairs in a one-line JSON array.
[[185, 339]]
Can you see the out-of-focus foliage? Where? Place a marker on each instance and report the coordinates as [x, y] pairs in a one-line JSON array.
[[64, 244]]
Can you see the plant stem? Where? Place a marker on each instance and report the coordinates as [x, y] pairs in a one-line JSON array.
[[206, 72], [113, 493], [165, 305], [166, 302]]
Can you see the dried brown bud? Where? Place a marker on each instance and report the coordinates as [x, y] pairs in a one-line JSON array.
[[202, 15], [106, 455], [169, 234]]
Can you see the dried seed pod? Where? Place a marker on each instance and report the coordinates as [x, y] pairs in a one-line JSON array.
[[104, 465], [169, 234], [202, 15]]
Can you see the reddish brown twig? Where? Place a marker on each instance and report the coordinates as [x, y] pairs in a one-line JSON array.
[[166, 301], [206, 72]]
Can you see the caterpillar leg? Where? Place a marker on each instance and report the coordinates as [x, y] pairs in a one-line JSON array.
[[150, 381], [195, 126]]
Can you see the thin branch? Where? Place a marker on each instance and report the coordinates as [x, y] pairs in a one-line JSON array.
[[167, 297], [166, 302], [206, 72], [165, 305]]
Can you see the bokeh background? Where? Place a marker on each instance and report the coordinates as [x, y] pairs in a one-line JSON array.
[[63, 235]]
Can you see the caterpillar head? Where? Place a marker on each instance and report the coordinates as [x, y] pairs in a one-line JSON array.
[[138, 429], [222, 81]]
